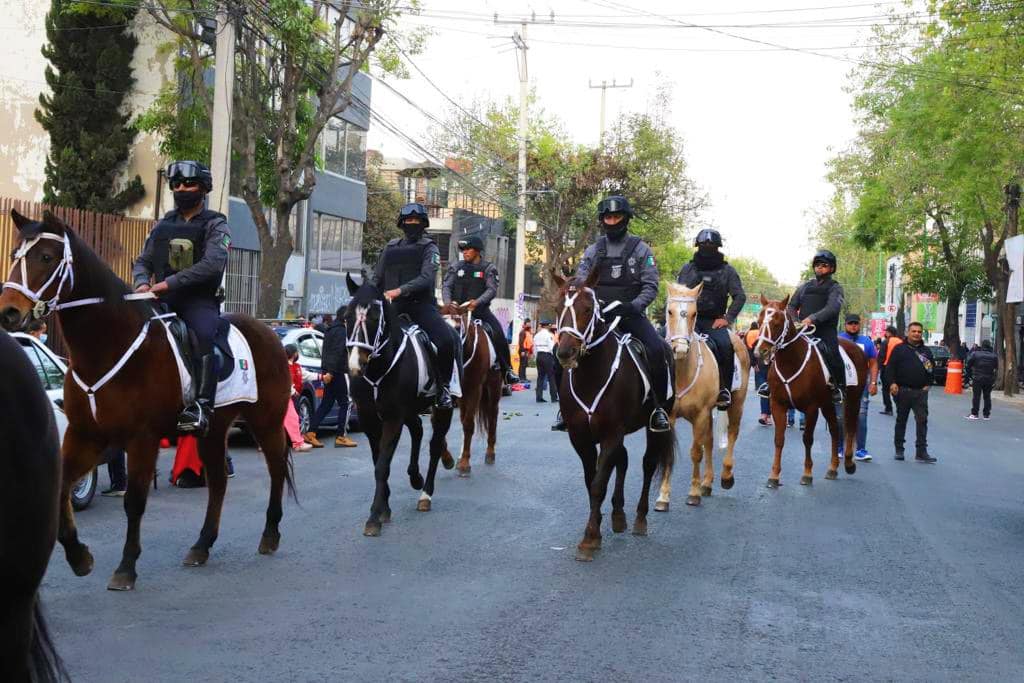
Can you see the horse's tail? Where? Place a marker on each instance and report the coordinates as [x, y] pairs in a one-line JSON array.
[[45, 664], [289, 469], [667, 457]]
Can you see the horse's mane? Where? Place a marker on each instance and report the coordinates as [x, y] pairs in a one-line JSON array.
[[96, 277]]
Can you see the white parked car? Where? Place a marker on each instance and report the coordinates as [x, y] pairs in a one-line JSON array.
[[52, 370]]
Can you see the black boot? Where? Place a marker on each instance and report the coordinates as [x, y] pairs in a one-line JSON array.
[[724, 399], [763, 390], [511, 377], [837, 393], [559, 425], [195, 419], [443, 397], [659, 420]]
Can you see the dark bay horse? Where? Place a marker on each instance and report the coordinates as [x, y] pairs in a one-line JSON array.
[[118, 343], [29, 508], [796, 380], [481, 385], [385, 387], [604, 397]]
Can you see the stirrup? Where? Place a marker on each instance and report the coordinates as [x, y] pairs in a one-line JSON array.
[[837, 395], [659, 420], [511, 377], [443, 399], [193, 420], [763, 391], [724, 399]]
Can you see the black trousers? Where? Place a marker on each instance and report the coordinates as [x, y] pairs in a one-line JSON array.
[[117, 468], [484, 315], [641, 328], [912, 400], [886, 396], [981, 389], [425, 315], [201, 316], [829, 345], [546, 375], [335, 391], [721, 346]]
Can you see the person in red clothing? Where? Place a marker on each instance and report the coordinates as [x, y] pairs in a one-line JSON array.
[[291, 417]]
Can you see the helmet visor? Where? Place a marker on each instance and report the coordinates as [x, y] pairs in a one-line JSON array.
[[412, 210], [184, 170], [707, 235], [613, 205]]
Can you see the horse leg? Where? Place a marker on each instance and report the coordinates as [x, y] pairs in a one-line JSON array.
[[587, 452], [735, 414], [665, 488], [277, 454], [79, 454], [812, 420], [779, 418], [709, 456], [619, 522], [415, 427], [212, 452], [142, 453], [851, 423], [598, 489], [440, 422], [391, 431], [468, 407], [698, 427], [490, 409], [650, 466], [835, 431]]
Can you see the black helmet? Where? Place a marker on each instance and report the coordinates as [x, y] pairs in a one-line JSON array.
[[708, 235], [615, 203], [190, 170], [472, 242], [414, 209], [824, 256]]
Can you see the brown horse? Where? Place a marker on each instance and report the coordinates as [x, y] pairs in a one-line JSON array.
[[119, 344], [29, 489], [604, 396], [696, 389], [796, 380], [481, 385]]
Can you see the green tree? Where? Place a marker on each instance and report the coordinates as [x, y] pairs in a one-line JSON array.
[[382, 205], [89, 49]]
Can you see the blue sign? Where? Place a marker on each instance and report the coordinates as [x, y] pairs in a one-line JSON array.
[[971, 316]]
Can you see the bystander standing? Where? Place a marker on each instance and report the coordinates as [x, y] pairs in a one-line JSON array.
[[890, 341], [334, 369], [982, 364], [908, 375], [852, 333], [544, 347]]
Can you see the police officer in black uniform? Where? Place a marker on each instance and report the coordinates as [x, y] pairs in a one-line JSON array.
[[475, 281], [183, 263], [818, 302], [721, 281], [628, 274], [406, 272]]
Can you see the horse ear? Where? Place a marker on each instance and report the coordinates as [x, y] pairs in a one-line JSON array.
[[20, 222], [557, 279], [764, 301], [352, 286], [697, 290], [785, 302]]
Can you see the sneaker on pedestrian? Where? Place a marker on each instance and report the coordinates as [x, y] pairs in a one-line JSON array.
[[541, 400], [986, 417], [789, 424], [311, 439], [764, 421], [342, 441], [231, 469], [972, 416], [925, 458], [862, 455], [113, 492], [303, 447], [885, 412], [899, 455]]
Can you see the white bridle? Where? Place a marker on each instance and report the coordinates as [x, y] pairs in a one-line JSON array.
[[586, 336], [781, 342], [465, 324], [360, 337], [687, 337]]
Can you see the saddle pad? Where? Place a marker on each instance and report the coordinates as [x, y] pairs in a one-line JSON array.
[[240, 385], [455, 386], [851, 369], [736, 374]]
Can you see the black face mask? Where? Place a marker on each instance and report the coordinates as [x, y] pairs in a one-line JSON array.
[[186, 201], [615, 232], [412, 231]]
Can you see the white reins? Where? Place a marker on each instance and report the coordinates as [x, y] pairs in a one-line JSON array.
[[781, 343]]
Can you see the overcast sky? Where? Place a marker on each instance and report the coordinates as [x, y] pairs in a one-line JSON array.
[[759, 123]]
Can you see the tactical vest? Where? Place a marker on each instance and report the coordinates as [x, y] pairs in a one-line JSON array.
[[714, 297], [618, 276], [470, 281], [177, 246], [402, 264], [815, 297]]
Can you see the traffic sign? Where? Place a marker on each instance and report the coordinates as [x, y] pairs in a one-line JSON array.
[[891, 309]]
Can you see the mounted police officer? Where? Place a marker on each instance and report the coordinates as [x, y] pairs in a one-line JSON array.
[[714, 312], [818, 302], [183, 263], [475, 281], [406, 272], [628, 275]]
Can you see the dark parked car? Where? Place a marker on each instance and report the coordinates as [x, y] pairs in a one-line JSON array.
[[941, 355]]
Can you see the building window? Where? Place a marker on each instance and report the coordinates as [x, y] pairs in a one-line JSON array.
[[344, 149], [337, 244], [242, 281]]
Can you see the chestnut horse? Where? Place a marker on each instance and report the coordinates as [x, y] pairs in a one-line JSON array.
[[603, 397], [481, 385], [796, 379], [29, 504], [117, 342], [696, 389]]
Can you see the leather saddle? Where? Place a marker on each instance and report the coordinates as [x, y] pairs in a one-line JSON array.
[[187, 345]]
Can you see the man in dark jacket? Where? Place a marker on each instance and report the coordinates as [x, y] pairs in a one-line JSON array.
[[714, 311], [908, 375], [818, 302], [183, 263], [334, 366], [883, 354], [982, 364]]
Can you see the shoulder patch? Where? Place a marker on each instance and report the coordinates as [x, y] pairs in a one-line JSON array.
[[436, 259], [650, 260]]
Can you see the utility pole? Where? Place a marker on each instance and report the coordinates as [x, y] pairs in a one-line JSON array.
[[604, 91], [223, 93]]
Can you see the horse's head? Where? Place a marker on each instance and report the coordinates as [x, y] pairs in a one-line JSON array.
[[366, 323], [680, 316], [40, 270], [458, 316], [773, 322], [580, 316]]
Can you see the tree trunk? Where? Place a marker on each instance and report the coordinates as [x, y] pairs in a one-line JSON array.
[[1008, 329], [951, 326]]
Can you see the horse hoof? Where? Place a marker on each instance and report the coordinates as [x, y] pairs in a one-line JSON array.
[[82, 562], [416, 480], [640, 527], [851, 468], [773, 483], [661, 506], [831, 474], [121, 582], [728, 483], [806, 480], [693, 501], [705, 491], [385, 517], [489, 459], [584, 554], [197, 557], [269, 543], [371, 529], [447, 460], [423, 505], [463, 472], [619, 522]]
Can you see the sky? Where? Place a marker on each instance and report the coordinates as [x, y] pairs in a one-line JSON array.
[[759, 124]]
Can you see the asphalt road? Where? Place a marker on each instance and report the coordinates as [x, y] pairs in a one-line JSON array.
[[901, 572]]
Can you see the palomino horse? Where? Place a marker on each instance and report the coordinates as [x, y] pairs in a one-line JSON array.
[[385, 386], [481, 385], [29, 508], [796, 380], [117, 342], [604, 396], [696, 392]]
